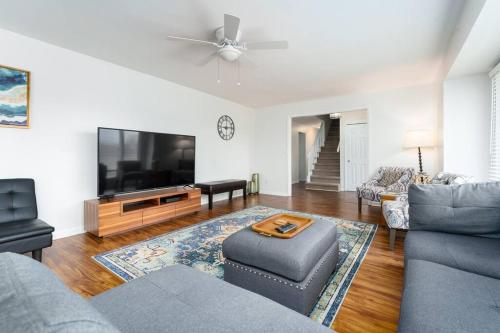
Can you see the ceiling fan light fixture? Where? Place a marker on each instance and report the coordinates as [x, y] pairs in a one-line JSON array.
[[229, 53], [228, 44]]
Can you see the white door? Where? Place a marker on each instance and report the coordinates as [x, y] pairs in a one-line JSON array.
[[355, 155]]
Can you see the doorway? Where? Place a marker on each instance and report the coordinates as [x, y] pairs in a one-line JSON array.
[[322, 159], [355, 155]]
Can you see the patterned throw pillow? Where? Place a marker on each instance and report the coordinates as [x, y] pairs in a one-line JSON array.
[[440, 178], [460, 179], [389, 178], [447, 178]]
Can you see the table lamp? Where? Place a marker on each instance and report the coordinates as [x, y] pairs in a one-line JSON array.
[[419, 139]]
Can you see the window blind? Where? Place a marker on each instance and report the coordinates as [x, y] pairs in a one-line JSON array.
[[494, 173]]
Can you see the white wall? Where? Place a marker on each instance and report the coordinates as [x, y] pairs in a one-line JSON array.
[[390, 114], [72, 94], [466, 125], [348, 118]]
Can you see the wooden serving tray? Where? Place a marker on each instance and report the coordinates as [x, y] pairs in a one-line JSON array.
[[267, 226]]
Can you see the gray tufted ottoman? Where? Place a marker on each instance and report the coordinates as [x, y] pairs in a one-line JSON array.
[[292, 271]]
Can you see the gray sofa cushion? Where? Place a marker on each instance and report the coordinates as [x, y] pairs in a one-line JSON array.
[[473, 254], [292, 258], [439, 298], [470, 209], [32, 299], [181, 299]]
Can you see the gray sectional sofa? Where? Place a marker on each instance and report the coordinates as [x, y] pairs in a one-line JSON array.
[[174, 299], [452, 259]]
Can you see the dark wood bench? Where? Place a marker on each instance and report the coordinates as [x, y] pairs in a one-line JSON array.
[[222, 186]]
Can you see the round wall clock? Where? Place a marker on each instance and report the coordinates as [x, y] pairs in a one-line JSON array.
[[225, 127]]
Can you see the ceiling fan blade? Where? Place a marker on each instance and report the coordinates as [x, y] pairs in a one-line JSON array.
[[197, 41], [231, 26], [247, 61], [207, 59], [272, 45]]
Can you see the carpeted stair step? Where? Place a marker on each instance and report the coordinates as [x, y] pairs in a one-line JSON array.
[[326, 172], [327, 162], [330, 159], [329, 149], [322, 187], [329, 155], [330, 180], [332, 170]]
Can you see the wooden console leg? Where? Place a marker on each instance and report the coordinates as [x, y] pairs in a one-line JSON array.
[[37, 255], [210, 200], [360, 201], [244, 193], [231, 195]]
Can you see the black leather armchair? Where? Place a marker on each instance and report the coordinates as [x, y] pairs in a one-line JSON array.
[[20, 229]]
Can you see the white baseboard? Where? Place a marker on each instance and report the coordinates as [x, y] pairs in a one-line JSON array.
[[281, 194], [68, 232], [219, 197]]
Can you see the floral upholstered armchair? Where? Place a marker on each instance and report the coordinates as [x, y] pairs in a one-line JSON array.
[[396, 212], [386, 179]]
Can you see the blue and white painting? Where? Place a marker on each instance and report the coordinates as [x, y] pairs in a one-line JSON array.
[[14, 97]]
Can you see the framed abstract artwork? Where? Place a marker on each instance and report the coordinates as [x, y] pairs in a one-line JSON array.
[[14, 97]]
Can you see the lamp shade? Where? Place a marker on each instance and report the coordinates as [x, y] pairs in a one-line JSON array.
[[418, 138]]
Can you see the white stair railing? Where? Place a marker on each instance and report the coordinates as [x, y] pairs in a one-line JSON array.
[[313, 154]]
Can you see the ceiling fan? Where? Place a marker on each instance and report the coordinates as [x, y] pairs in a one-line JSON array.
[[228, 44]]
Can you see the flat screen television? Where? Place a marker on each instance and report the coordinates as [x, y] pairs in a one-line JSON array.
[[130, 161]]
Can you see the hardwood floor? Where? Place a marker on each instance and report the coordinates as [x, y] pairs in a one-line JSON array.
[[371, 305]]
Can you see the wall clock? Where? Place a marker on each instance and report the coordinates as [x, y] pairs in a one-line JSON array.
[[225, 127]]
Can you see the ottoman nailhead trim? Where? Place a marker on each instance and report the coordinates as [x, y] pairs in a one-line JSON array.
[[262, 274], [279, 280], [312, 277]]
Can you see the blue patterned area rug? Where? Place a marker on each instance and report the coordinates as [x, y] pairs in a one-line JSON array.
[[200, 246]]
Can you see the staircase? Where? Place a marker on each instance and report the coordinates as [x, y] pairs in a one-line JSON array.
[[326, 171]]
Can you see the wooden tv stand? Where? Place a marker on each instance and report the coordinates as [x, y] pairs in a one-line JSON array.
[[131, 211]]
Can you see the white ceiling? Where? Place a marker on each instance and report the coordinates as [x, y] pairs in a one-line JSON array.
[[336, 46], [302, 123], [481, 50]]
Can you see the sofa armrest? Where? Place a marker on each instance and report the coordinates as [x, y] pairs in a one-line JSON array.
[[469, 209], [372, 183]]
